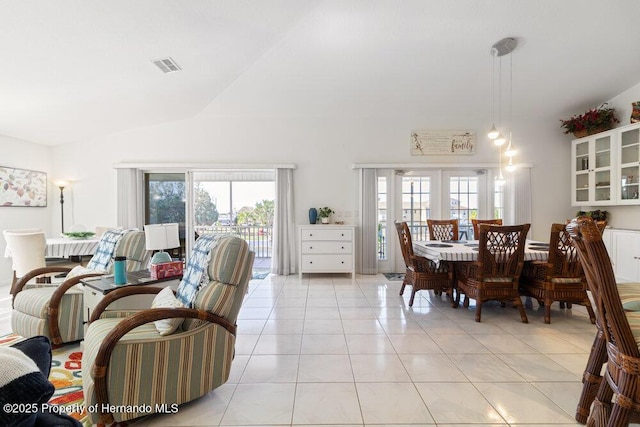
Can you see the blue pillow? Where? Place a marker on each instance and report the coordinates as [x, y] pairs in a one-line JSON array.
[[196, 274]]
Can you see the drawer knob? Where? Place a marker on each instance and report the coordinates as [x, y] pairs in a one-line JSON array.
[[342, 234], [341, 262], [310, 262], [310, 247], [343, 247]]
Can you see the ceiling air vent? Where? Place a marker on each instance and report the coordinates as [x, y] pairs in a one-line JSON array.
[[167, 65]]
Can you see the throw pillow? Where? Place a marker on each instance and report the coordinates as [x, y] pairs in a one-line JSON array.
[[196, 275], [166, 299]]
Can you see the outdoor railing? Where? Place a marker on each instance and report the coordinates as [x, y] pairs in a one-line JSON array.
[[259, 237]]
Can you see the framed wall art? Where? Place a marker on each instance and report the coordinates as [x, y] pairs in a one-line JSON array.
[[22, 188], [433, 142]]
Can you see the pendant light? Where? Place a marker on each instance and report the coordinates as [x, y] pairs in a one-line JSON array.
[[499, 49], [511, 149], [493, 132]]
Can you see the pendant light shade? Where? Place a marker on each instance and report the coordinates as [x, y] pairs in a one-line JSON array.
[[500, 139], [493, 132]]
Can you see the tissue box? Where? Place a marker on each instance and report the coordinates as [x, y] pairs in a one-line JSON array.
[[166, 269]]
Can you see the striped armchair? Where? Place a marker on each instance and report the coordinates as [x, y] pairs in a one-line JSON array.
[[56, 310], [128, 363]]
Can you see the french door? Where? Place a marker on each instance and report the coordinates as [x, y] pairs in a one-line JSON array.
[[415, 196]]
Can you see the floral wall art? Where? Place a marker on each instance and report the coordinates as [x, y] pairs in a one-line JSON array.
[[22, 187]]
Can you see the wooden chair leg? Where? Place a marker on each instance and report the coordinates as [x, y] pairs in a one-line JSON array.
[[591, 377], [478, 308], [413, 294], [602, 413], [523, 315], [547, 311]]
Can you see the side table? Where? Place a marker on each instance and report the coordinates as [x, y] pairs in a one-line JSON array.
[[95, 288]]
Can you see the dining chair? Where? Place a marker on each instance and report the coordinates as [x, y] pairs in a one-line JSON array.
[[476, 222], [617, 401], [56, 310], [496, 273], [27, 248], [560, 278], [443, 229], [420, 272]]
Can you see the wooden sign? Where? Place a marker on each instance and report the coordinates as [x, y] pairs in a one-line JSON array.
[[435, 142]]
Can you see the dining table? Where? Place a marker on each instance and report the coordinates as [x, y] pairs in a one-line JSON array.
[[467, 250], [64, 247]]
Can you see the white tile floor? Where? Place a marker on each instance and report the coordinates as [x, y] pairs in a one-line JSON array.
[[326, 350]]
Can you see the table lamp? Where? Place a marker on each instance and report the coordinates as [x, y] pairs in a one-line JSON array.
[[159, 237]]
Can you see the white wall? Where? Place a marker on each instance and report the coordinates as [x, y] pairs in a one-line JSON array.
[[20, 154], [324, 150]]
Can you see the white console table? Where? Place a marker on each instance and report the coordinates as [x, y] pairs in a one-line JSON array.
[[327, 248]]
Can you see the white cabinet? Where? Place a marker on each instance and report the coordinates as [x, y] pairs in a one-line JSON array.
[[327, 249], [628, 170], [625, 245], [605, 168], [592, 175]]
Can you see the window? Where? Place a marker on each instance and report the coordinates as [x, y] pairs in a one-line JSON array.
[[382, 218]]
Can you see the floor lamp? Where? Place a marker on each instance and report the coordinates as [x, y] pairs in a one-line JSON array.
[[61, 185]]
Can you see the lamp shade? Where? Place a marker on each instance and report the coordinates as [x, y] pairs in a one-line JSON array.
[[161, 236]]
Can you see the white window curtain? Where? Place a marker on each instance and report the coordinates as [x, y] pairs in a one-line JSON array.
[[368, 221], [130, 198], [283, 260], [517, 195]]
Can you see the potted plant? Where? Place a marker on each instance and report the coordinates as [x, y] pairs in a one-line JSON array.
[[324, 214], [596, 215], [592, 121]]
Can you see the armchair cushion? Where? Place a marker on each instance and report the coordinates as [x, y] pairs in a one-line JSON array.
[[166, 299]]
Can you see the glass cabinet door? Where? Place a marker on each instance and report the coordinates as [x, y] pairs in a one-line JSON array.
[[582, 172], [602, 154], [629, 165]]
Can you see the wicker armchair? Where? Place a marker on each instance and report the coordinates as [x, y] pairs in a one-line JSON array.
[[128, 362], [560, 278], [56, 311], [421, 273], [443, 229], [617, 402], [496, 273], [476, 222]]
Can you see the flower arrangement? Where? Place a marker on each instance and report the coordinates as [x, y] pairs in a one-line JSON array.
[[592, 121]]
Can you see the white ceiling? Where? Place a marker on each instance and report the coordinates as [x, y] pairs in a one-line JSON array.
[[78, 69]]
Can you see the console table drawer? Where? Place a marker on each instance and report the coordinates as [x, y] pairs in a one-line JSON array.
[[327, 263], [323, 247]]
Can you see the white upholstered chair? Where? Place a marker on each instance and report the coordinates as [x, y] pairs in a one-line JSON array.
[[27, 248]]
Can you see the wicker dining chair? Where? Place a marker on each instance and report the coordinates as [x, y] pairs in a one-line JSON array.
[[421, 273], [496, 273], [476, 222], [560, 278], [617, 401], [443, 229]]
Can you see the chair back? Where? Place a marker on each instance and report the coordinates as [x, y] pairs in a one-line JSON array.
[[100, 230], [404, 234], [443, 229], [476, 222], [563, 257], [602, 282], [216, 276], [129, 243], [27, 250], [501, 250]]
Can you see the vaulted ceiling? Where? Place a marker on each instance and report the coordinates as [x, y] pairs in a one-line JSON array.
[[74, 70]]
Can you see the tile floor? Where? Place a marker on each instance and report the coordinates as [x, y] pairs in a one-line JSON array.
[[326, 350]]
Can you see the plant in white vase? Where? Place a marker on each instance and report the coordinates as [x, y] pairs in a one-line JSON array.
[[324, 214]]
